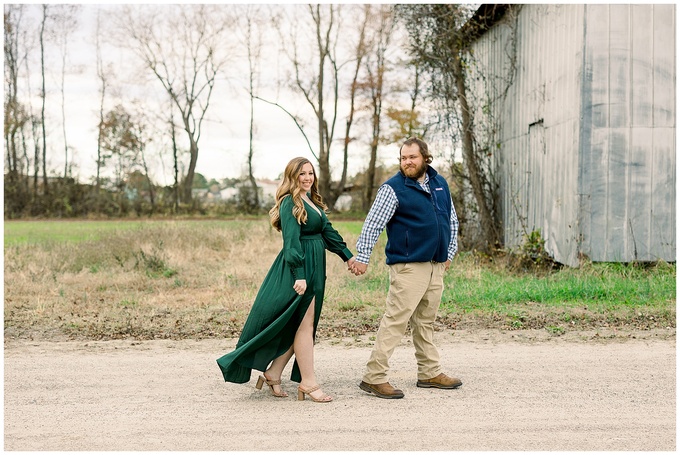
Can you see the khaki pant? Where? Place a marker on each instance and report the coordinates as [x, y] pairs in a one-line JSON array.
[[414, 295]]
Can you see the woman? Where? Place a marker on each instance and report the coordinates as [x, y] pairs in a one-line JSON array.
[[285, 314]]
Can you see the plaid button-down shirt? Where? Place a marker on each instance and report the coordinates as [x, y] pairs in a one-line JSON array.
[[381, 213]]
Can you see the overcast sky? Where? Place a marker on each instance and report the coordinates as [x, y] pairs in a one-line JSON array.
[[224, 140]]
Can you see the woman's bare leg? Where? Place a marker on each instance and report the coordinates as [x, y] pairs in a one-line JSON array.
[[275, 369], [304, 352], [279, 363]]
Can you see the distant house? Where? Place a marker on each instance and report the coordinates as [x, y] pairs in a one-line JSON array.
[[266, 192], [343, 203], [200, 193], [583, 102], [227, 194]]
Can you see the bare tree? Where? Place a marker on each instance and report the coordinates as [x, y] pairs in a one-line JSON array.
[[318, 81], [102, 74], [438, 41], [360, 51], [376, 66], [147, 174], [253, 42], [175, 160], [141, 126], [182, 46], [43, 94], [65, 21], [120, 139], [33, 119], [325, 45], [15, 115]]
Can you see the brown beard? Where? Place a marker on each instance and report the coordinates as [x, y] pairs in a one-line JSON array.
[[414, 173]]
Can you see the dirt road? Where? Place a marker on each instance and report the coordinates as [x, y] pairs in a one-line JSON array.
[[521, 391]]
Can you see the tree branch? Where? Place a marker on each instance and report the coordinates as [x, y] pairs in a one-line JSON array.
[[294, 119]]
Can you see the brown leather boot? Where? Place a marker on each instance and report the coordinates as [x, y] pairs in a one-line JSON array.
[[384, 390], [441, 381]]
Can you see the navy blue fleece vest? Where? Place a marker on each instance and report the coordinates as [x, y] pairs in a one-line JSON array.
[[420, 229]]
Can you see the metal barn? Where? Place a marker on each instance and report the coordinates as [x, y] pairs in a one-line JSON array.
[[580, 100]]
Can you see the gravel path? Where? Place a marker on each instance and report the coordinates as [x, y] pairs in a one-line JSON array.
[[521, 391]]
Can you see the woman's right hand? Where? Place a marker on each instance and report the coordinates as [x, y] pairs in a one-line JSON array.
[[300, 286]]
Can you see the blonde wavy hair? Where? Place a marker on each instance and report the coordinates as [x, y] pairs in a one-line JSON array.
[[291, 185]]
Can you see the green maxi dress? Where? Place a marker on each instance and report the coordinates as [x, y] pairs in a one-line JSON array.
[[278, 310]]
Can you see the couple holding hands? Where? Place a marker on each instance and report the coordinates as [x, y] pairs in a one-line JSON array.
[[416, 208]]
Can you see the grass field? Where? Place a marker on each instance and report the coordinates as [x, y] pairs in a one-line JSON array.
[[197, 279], [74, 231]]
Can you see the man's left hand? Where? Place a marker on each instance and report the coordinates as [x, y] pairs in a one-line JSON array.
[[447, 264]]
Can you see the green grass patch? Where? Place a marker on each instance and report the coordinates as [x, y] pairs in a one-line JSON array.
[[75, 231], [352, 228], [596, 287], [57, 231], [597, 294]]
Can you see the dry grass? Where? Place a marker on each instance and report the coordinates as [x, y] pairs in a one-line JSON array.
[[173, 279], [160, 281]]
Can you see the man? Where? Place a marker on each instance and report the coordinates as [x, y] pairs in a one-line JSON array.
[[416, 208]]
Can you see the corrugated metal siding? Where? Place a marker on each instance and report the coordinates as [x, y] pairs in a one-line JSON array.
[[628, 169], [538, 123], [587, 129]]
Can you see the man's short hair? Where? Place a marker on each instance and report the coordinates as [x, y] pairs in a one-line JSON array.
[[422, 145]]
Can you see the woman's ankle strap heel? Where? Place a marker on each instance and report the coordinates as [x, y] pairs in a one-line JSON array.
[[302, 392], [262, 380]]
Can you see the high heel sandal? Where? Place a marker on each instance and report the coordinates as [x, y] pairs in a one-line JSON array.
[[302, 392], [262, 379]]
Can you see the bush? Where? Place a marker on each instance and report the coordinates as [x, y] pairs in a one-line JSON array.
[[532, 256]]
